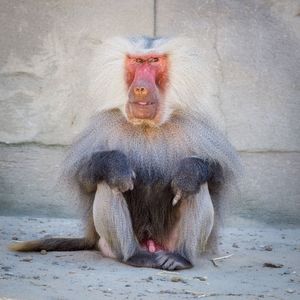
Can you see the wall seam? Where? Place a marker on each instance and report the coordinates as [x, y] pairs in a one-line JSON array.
[[154, 17], [44, 145]]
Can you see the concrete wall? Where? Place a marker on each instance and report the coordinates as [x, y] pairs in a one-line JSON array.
[[45, 50]]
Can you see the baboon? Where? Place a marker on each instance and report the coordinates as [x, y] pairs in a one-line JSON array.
[[152, 168]]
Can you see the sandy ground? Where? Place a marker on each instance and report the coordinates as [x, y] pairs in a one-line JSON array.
[[87, 275]]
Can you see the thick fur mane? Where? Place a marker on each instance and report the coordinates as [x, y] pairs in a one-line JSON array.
[[191, 76], [185, 134]]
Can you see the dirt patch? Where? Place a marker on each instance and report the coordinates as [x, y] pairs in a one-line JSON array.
[[254, 263]]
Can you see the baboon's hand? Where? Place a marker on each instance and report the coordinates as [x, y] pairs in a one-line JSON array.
[[189, 176], [122, 181], [114, 168]]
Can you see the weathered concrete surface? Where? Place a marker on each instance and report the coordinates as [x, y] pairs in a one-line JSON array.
[[45, 50], [87, 275], [270, 189], [257, 47], [29, 181]]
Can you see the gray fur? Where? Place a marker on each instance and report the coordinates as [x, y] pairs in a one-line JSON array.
[[160, 148], [112, 221]]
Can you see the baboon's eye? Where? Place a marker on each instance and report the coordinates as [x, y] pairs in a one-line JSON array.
[[153, 60], [139, 60]]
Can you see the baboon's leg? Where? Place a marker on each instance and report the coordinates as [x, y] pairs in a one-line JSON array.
[[113, 223], [195, 225], [117, 239]]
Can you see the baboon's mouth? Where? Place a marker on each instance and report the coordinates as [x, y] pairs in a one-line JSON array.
[[142, 103], [142, 109]]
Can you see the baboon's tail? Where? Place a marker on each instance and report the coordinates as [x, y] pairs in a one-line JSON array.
[[53, 244]]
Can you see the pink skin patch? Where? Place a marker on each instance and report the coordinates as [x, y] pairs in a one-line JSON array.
[[151, 246]]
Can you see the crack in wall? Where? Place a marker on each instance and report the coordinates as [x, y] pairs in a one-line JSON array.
[[37, 144], [154, 18], [268, 151], [219, 65]]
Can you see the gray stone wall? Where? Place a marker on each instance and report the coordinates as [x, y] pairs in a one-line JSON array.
[[46, 47]]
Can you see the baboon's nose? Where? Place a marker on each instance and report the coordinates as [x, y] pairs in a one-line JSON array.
[[140, 91]]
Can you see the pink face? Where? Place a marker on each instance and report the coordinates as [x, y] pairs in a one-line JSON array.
[[146, 78]]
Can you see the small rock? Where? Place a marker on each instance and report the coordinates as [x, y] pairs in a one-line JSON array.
[[268, 248], [201, 278], [27, 259], [127, 285], [235, 245], [290, 291], [36, 277], [177, 279], [107, 291], [43, 252], [14, 238], [148, 279]]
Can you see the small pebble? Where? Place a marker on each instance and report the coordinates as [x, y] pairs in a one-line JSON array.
[[149, 279], [177, 279], [235, 245], [43, 252], [14, 238], [201, 278], [290, 291], [27, 259], [268, 248], [107, 291]]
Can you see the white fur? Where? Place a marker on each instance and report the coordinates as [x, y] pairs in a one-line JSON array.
[[190, 73]]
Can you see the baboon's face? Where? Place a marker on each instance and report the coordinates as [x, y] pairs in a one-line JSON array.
[[146, 78]]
